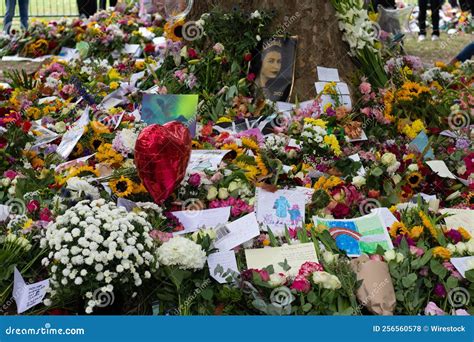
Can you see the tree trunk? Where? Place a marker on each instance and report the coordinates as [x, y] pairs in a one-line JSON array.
[[319, 39]]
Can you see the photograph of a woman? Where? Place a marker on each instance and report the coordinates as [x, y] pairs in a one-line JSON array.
[[275, 68]]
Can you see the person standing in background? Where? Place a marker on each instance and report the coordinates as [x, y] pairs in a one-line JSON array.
[[87, 8], [103, 4], [10, 13], [435, 8], [467, 5]]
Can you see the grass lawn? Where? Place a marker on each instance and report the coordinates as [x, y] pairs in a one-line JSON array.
[[447, 47]]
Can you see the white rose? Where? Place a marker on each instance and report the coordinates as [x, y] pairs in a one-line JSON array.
[[277, 279], [326, 280], [358, 181], [413, 167], [211, 193], [399, 257], [396, 178], [388, 159], [461, 247], [390, 255], [451, 248], [223, 193]]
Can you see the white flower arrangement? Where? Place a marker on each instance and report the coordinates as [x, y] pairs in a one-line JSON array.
[[97, 246], [183, 253]]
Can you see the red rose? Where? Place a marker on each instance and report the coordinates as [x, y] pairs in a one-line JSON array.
[[33, 206], [341, 211], [26, 126], [248, 57], [149, 48], [251, 77], [373, 193], [192, 53]]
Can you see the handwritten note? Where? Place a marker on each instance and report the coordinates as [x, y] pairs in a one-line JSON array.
[[241, 231], [193, 220], [27, 296], [295, 256], [459, 218], [226, 261]]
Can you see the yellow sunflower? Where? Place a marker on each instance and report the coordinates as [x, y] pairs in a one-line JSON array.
[[442, 253], [470, 199], [464, 233], [77, 150], [414, 179], [261, 165], [99, 127], [428, 225], [122, 187], [250, 143], [96, 142], [398, 228], [174, 30], [416, 232]]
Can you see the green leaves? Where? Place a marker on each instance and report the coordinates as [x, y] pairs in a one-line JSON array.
[[409, 280]]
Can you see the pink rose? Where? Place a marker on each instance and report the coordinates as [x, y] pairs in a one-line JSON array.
[[376, 257], [194, 180], [33, 206], [417, 251], [365, 88], [433, 310], [10, 174], [301, 284], [461, 312]]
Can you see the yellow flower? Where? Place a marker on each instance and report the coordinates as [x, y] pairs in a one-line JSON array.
[[440, 64], [442, 253], [416, 232], [223, 119], [138, 188], [173, 30], [96, 142], [140, 65], [28, 224], [250, 143], [464, 233], [332, 142], [261, 165], [122, 187], [398, 228], [114, 75], [414, 179], [99, 127], [315, 122], [113, 85], [232, 147], [266, 242], [330, 88], [373, 16], [427, 223], [33, 113], [107, 155]]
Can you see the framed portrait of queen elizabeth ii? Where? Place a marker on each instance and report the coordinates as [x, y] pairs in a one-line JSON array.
[[274, 68]]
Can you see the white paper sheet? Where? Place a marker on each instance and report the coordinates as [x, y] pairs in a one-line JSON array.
[[295, 255], [73, 135], [345, 100], [132, 49], [227, 260], [202, 160], [68, 54], [460, 218], [388, 219], [71, 163], [209, 218], [4, 212], [241, 231], [328, 74], [440, 168], [280, 209], [356, 158], [47, 99], [27, 296], [463, 264]]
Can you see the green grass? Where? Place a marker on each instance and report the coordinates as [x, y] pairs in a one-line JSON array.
[[445, 49]]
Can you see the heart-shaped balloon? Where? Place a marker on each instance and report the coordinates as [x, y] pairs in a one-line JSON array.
[[161, 156]]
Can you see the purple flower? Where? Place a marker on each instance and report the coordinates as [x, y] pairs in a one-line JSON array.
[[439, 290], [462, 144], [433, 310], [454, 235], [194, 180]]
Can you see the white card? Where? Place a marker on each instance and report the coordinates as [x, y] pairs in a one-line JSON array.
[[227, 260], [132, 49], [440, 168], [69, 54], [125, 203], [241, 231], [284, 106], [388, 219], [47, 99], [356, 158], [345, 100], [202, 160], [193, 220], [4, 212], [69, 141], [463, 264], [459, 218], [280, 209], [27, 296], [328, 74]]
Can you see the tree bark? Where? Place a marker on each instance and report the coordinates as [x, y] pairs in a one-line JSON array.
[[319, 39]]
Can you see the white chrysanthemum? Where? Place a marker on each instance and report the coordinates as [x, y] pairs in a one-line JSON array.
[[183, 253]]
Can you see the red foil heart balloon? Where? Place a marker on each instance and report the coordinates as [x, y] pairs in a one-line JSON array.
[[161, 156]]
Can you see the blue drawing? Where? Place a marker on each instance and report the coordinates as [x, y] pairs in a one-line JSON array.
[[346, 234], [295, 214], [281, 206]]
